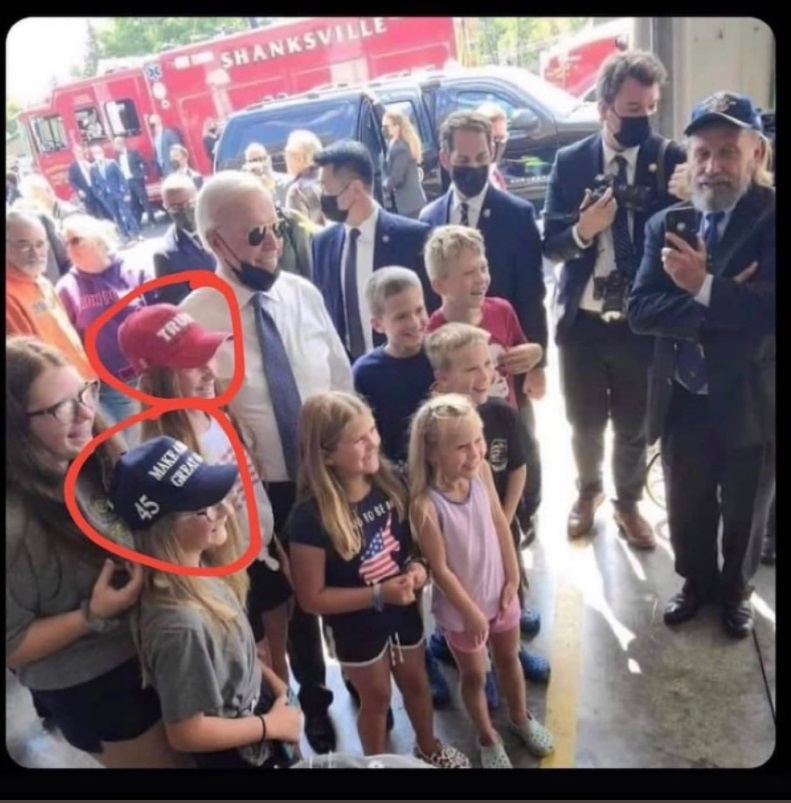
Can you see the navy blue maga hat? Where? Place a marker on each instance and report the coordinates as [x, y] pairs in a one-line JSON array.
[[164, 476], [725, 107]]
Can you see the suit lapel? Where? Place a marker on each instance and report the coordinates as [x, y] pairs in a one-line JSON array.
[[445, 205], [484, 218], [594, 164], [743, 217], [383, 241]]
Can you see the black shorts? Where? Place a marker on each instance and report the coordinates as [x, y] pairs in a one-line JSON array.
[[111, 708], [268, 590], [403, 628]]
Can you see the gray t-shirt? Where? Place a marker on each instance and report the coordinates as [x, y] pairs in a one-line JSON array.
[[197, 667], [42, 582]]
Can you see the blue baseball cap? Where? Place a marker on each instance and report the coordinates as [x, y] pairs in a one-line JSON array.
[[725, 107], [164, 476]]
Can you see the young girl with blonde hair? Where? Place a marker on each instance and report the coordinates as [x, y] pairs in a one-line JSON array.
[[219, 703], [463, 532], [175, 357], [354, 563]]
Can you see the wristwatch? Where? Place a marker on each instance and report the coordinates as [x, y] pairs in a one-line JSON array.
[[95, 623]]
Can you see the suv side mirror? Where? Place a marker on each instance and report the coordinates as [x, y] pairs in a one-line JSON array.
[[523, 122]]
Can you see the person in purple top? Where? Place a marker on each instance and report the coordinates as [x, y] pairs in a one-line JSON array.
[[97, 280]]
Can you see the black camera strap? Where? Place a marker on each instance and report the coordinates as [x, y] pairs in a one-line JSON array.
[[660, 166]]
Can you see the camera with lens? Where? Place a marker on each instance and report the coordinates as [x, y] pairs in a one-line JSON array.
[[634, 197], [613, 291]]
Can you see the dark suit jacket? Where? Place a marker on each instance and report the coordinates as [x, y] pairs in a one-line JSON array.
[[737, 329], [137, 165], [575, 169], [77, 179], [170, 137], [399, 241], [178, 253], [513, 250], [113, 185]]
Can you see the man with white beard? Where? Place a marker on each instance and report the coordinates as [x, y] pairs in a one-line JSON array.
[[712, 383]]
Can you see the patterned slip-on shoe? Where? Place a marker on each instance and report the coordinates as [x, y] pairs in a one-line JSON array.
[[494, 757], [444, 758], [537, 738]]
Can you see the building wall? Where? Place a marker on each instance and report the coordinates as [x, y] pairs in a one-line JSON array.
[[707, 54]]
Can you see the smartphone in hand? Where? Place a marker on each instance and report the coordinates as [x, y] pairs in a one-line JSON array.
[[683, 222]]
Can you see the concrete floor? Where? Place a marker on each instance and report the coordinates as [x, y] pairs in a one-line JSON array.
[[626, 691]]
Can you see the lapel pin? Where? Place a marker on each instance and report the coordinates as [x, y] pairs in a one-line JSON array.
[[652, 168], [385, 238], [487, 212]]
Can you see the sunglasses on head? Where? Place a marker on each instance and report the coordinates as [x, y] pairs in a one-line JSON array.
[[257, 235]]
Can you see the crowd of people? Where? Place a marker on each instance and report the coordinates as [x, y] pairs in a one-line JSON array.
[[384, 415]]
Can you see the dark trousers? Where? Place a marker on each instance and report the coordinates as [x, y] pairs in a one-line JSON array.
[[122, 215], [140, 203], [705, 483], [532, 494], [604, 376], [94, 206], [304, 646]]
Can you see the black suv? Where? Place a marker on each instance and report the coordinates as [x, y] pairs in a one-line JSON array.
[[541, 119]]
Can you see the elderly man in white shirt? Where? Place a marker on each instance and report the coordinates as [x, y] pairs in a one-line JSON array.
[[285, 316]]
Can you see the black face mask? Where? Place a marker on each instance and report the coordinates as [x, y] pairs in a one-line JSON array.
[[212, 131], [175, 164], [469, 181], [252, 276], [634, 131], [330, 208], [185, 219]]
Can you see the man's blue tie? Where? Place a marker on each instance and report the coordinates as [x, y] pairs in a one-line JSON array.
[[283, 390], [625, 257], [690, 363], [354, 325]]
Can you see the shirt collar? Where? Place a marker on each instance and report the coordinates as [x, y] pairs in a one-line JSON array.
[[630, 154], [367, 228], [476, 202]]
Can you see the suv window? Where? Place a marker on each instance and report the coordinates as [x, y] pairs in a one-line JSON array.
[[469, 100], [329, 120]]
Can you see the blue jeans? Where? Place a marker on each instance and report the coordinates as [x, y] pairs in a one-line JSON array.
[[118, 406]]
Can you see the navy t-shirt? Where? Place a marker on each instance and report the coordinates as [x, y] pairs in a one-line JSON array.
[[506, 444], [385, 549], [394, 388]]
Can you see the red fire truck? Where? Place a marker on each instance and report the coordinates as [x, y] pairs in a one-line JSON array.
[[189, 85], [573, 62]]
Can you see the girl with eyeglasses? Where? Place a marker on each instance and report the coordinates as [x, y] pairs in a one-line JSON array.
[[176, 359], [99, 277], [219, 703], [67, 602]]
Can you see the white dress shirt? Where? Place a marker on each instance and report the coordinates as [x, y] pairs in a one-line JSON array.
[[474, 206], [315, 351], [123, 163], [86, 172], [605, 258], [365, 268]]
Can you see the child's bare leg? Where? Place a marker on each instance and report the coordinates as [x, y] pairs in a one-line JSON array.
[[505, 655], [472, 674], [373, 685]]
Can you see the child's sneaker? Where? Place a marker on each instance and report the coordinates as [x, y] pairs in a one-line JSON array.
[[537, 738], [440, 692], [491, 691], [529, 621], [534, 667], [445, 757], [494, 757]]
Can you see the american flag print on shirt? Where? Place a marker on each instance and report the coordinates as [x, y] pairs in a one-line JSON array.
[[377, 559]]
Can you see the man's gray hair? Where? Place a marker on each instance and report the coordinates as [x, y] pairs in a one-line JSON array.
[[21, 217], [218, 192], [176, 181]]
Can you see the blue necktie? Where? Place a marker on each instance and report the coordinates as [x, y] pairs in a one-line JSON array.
[[283, 390], [690, 363], [354, 325], [464, 213], [625, 257]]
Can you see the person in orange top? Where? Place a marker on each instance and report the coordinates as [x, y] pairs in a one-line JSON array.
[[31, 305]]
